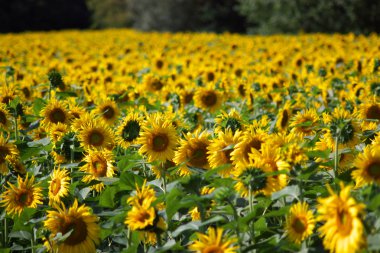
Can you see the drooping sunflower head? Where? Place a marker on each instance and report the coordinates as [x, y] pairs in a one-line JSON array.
[[214, 241], [367, 166], [85, 232], [129, 130], [25, 195], [158, 138], [193, 152], [220, 149], [144, 196], [231, 120], [99, 163], [343, 126], [94, 134], [54, 112], [303, 123], [300, 222], [248, 141], [8, 153], [5, 121], [208, 99], [342, 228], [58, 185], [254, 179], [108, 111]]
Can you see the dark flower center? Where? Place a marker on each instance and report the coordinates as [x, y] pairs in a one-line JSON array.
[[57, 115], [3, 118], [299, 225], [108, 112], [209, 99], [79, 231], [199, 156], [374, 170], [284, 119], [160, 142], [373, 112], [99, 167], [96, 138]]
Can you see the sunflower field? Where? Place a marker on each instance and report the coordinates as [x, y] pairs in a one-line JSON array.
[[123, 141]]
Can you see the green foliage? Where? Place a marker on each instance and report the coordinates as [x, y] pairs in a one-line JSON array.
[[279, 16]]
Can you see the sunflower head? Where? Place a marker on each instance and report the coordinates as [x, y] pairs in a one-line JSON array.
[[95, 134], [158, 138], [58, 185], [300, 222], [25, 195], [54, 112], [129, 130], [208, 99], [5, 122], [80, 222], [214, 241], [108, 111], [367, 166], [342, 226]]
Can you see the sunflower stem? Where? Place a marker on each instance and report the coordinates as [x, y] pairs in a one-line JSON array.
[[16, 128], [336, 159], [5, 233], [237, 227], [163, 177]]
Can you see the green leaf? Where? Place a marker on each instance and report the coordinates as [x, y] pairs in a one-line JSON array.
[[129, 180], [261, 224], [107, 197], [193, 226], [21, 234], [38, 104], [292, 190]]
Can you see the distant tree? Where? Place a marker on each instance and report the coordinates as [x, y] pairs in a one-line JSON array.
[[292, 16], [109, 13], [22, 15]]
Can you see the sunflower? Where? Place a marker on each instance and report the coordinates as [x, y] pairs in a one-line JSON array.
[[58, 185], [152, 83], [283, 117], [254, 177], [370, 113], [213, 241], [250, 139], [219, 150], [158, 138], [108, 111], [129, 130], [7, 94], [300, 222], [94, 134], [8, 152], [144, 196], [25, 195], [57, 131], [342, 125], [367, 166], [140, 217], [271, 156], [343, 230], [53, 113], [82, 224], [208, 99], [231, 120], [99, 163], [303, 123], [192, 152], [5, 121]]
